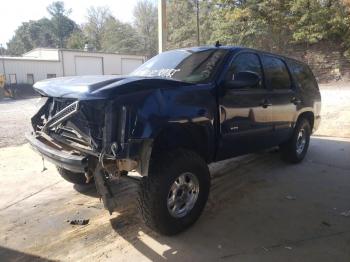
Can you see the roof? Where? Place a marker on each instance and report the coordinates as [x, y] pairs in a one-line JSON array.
[[237, 49], [27, 58], [76, 50], [51, 54], [209, 47]]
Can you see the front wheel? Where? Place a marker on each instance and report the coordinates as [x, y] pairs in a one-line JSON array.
[[295, 149], [175, 192]]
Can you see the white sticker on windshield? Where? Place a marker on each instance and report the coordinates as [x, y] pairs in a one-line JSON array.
[[164, 72]]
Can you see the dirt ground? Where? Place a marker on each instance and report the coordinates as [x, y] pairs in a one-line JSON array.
[[260, 209], [335, 110]]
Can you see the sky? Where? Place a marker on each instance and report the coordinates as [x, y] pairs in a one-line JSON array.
[[14, 12]]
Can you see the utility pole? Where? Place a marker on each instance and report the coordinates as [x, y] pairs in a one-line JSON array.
[[162, 28], [197, 11]]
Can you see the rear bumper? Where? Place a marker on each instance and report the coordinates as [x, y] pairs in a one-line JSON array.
[[78, 164]]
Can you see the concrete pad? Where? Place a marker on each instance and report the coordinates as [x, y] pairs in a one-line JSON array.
[[260, 209]]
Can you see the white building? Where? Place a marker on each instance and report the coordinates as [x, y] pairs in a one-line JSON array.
[[42, 63]]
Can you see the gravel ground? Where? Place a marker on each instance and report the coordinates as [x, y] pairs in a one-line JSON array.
[[15, 120], [15, 115]]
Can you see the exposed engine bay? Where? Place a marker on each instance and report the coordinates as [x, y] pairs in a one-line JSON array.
[[93, 131]]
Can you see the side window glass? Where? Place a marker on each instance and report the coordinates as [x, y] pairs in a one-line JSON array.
[[303, 76], [246, 62], [276, 73]]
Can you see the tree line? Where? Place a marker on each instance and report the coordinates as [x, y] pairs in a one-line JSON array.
[[102, 31], [272, 25]]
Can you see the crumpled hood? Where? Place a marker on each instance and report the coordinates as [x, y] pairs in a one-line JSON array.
[[100, 87]]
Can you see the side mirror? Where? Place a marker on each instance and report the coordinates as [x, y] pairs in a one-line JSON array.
[[243, 80]]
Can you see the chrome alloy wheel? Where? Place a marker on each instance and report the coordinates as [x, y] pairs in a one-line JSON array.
[[301, 141], [183, 195]]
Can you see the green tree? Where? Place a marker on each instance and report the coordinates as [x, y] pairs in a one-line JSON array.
[[41, 33], [308, 21], [77, 40], [253, 23], [30, 35], [120, 37], [206, 29], [146, 25], [94, 29], [20, 42], [62, 26], [280, 24], [181, 24]]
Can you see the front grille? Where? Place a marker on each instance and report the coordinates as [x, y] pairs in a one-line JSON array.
[[78, 122], [62, 115]]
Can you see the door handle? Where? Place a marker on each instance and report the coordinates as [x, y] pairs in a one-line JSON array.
[[265, 103], [296, 101]]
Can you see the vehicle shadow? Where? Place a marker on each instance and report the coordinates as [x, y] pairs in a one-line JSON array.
[[123, 187], [88, 190], [229, 183], [247, 212], [7, 254]]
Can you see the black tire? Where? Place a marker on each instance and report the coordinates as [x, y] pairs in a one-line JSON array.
[[289, 150], [154, 190], [75, 178]]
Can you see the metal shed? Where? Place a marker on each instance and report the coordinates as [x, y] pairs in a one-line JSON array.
[[42, 63]]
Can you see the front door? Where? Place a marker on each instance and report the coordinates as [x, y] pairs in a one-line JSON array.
[[245, 113]]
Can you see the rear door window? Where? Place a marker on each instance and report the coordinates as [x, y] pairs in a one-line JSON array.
[[276, 73], [303, 75]]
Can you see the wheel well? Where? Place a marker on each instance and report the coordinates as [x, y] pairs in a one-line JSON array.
[[308, 116], [194, 138]]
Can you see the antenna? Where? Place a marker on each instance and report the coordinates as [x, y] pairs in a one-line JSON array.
[[217, 44]]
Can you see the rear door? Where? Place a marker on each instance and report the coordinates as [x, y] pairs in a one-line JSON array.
[[284, 98], [245, 113]]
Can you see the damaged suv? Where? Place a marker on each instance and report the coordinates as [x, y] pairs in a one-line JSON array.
[[169, 119]]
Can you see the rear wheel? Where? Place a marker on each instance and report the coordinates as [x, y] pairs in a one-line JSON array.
[[174, 194], [75, 178], [295, 149]]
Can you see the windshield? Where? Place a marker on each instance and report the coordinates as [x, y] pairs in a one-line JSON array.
[[183, 65]]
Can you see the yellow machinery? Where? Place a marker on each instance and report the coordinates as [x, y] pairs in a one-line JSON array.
[[4, 91], [2, 81]]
